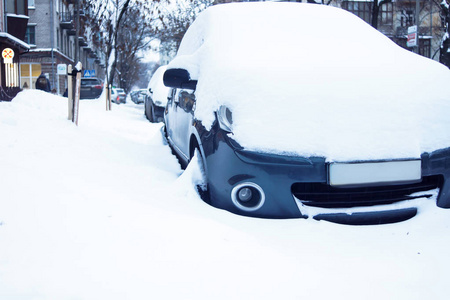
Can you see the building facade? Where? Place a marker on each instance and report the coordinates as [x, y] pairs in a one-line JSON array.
[[55, 33], [13, 24], [396, 16]]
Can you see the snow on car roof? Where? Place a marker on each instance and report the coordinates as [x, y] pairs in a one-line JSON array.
[[314, 80]]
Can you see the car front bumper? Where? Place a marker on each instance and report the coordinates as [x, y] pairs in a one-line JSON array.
[[297, 187], [159, 112]]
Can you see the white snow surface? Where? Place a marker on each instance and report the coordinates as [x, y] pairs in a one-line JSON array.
[[160, 91], [314, 80], [103, 211]]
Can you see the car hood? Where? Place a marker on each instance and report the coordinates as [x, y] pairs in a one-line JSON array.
[[316, 82]]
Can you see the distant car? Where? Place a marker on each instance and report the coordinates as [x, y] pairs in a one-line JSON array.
[[313, 114], [91, 88], [156, 99], [118, 96], [138, 96]]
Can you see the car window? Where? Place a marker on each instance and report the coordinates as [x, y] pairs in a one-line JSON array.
[[90, 81], [186, 100]]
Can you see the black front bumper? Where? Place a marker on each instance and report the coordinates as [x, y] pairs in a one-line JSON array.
[[284, 178]]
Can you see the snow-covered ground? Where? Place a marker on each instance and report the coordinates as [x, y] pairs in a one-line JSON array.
[[103, 211]]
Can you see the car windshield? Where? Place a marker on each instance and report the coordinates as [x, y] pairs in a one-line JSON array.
[[90, 81]]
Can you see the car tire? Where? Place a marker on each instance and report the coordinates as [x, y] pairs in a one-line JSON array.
[[152, 114], [146, 111], [202, 189]]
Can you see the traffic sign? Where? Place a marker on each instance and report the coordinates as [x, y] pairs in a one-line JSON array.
[[412, 36], [62, 69], [89, 73], [8, 55]]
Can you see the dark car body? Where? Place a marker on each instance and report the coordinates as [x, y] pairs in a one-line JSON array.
[[153, 112], [91, 88], [270, 146], [290, 186]]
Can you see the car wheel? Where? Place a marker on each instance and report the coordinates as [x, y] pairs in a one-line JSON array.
[[202, 184], [145, 112], [152, 114]]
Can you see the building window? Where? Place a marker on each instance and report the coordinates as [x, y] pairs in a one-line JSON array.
[[30, 35], [386, 14], [58, 39], [10, 6], [425, 47], [363, 9], [29, 73], [31, 4], [16, 7], [359, 8]]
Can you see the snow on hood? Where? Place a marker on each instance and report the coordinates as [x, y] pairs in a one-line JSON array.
[[314, 80], [160, 91]]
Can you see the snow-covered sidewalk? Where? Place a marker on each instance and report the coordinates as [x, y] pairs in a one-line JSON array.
[[103, 211]]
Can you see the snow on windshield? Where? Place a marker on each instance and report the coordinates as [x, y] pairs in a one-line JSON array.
[[314, 80], [160, 91]]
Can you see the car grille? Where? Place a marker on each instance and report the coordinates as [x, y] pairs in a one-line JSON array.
[[326, 196]]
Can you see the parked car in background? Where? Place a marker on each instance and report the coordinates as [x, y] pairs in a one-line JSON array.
[[324, 120], [91, 88], [138, 96], [156, 99], [118, 95]]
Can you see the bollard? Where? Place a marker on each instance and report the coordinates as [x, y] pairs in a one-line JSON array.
[[76, 106], [70, 92]]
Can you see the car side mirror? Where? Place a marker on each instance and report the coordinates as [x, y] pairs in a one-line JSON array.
[[179, 79]]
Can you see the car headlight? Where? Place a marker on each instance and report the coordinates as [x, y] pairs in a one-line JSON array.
[[225, 119]]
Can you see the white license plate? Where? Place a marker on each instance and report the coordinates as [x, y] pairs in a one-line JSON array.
[[374, 172]]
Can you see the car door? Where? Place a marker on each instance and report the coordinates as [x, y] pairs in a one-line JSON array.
[[184, 102], [170, 116]]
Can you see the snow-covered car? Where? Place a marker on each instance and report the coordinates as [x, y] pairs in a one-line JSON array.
[[138, 96], [118, 96], [306, 111], [156, 99]]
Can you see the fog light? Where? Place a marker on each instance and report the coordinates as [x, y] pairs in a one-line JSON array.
[[245, 194], [248, 196]]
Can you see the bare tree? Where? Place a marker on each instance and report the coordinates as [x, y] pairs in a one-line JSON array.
[[376, 11], [134, 37], [444, 56], [176, 18], [123, 27]]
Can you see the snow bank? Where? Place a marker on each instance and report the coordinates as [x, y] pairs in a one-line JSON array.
[[100, 211], [314, 80]]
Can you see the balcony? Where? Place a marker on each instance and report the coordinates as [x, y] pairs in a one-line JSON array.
[[17, 25], [66, 20], [82, 42]]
